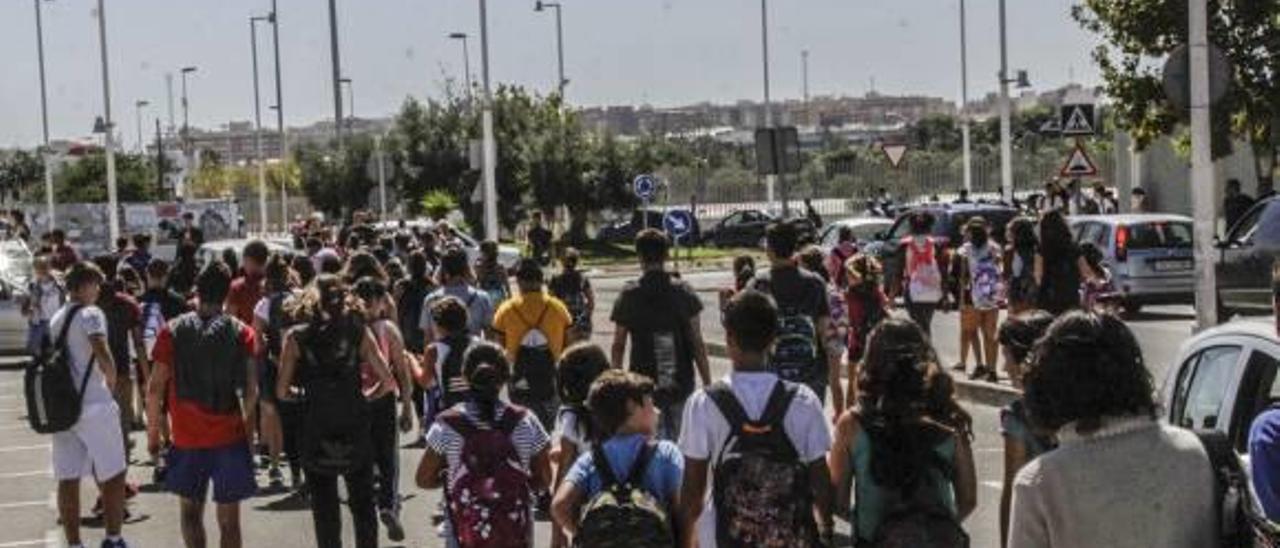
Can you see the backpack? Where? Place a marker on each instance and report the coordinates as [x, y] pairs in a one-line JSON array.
[[336, 437], [985, 284], [534, 372], [453, 385], [53, 402], [489, 504], [574, 297], [1240, 524], [624, 513], [796, 353], [924, 278], [409, 306], [760, 487], [916, 523], [669, 361]]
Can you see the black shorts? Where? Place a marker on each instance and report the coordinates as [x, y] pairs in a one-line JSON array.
[[267, 375]]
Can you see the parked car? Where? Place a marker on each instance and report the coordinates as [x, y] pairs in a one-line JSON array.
[[1150, 255], [949, 221], [1245, 260], [865, 230], [623, 231], [15, 275], [746, 228], [1223, 378]]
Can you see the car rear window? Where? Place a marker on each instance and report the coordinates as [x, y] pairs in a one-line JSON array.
[[1159, 234]]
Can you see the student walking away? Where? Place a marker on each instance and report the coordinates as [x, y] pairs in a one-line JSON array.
[[744, 270], [803, 313], [626, 490], [1088, 383], [978, 289], [1235, 204], [576, 431], [79, 409], [182, 275], [382, 409], [269, 323], [491, 276], [140, 256], [1019, 264], [246, 290], [1022, 441], [903, 452], [539, 240], [62, 255], [455, 275], [325, 354], [45, 295], [836, 337], [660, 315], [846, 246], [867, 307], [533, 326], [411, 294], [124, 338], [205, 372], [441, 369], [1059, 266], [811, 214], [160, 304], [922, 284], [762, 442], [573, 288], [1097, 291], [490, 456]]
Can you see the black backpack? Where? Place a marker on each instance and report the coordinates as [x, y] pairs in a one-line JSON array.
[[336, 437], [624, 513], [669, 357], [797, 350], [53, 401], [1240, 524], [453, 385], [534, 373], [914, 521], [760, 487]]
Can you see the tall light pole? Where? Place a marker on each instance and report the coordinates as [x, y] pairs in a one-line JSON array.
[[466, 62], [137, 110], [542, 6], [279, 107], [804, 75], [187, 151], [486, 123], [44, 121], [113, 213], [168, 84], [1006, 137], [257, 126], [1202, 180], [351, 110], [337, 72], [770, 180], [966, 144]]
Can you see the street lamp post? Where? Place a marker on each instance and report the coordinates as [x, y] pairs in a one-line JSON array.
[[1006, 132], [137, 109], [770, 179], [279, 107], [466, 63], [542, 6], [1202, 178], [187, 152], [257, 126], [44, 120], [113, 213], [804, 74], [486, 123], [337, 71], [351, 102], [966, 143]]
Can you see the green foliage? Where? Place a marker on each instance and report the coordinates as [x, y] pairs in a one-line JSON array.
[[437, 204], [337, 182], [85, 180], [19, 171]]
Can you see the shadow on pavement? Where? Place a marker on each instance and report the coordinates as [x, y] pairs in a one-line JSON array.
[[293, 502]]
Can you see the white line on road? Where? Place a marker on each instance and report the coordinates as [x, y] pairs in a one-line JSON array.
[[23, 504], [997, 485], [32, 474], [16, 448], [17, 543]]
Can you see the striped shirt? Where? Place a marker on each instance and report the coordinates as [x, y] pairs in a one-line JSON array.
[[528, 438]]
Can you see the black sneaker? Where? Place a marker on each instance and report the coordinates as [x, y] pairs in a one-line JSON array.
[[391, 521], [980, 372], [118, 543]]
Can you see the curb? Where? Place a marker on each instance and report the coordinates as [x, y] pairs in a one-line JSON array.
[[980, 392]]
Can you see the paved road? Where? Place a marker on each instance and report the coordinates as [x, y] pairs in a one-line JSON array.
[[277, 520]]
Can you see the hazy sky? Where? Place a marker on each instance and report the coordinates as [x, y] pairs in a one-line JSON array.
[[662, 52]]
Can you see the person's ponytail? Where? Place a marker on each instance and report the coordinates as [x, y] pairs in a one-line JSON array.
[[487, 370]]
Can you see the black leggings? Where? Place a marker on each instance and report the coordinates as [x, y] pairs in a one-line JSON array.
[[325, 511], [386, 452], [291, 414]]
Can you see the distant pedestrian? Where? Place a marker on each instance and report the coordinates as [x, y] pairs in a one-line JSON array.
[[744, 270], [246, 290], [63, 255], [577, 432], [1023, 442], [1138, 201], [489, 456], [442, 374], [534, 328], [846, 246], [963, 198], [269, 324], [1097, 291], [45, 295], [836, 337], [1089, 383], [867, 306], [1235, 204], [812, 214], [140, 256], [573, 288], [538, 240], [922, 283], [1059, 267], [455, 280], [1019, 264], [205, 377], [761, 444], [978, 289], [491, 276], [125, 339], [182, 275], [908, 453], [659, 315]]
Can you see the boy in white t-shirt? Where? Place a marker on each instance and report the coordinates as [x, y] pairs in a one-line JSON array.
[[764, 419]]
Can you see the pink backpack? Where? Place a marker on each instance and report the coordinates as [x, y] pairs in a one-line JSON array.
[[924, 279], [490, 503]]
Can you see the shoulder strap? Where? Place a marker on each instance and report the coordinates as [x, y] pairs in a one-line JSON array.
[[779, 401], [472, 295], [66, 324], [545, 307], [510, 419], [725, 400], [641, 465], [601, 460], [458, 422]]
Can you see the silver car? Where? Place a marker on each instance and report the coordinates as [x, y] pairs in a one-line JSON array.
[[865, 229], [15, 275], [1149, 255]]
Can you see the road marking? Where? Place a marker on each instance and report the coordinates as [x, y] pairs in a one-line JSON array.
[[17, 543], [23, 504], [14, 427], [16, 475], [997, 485], [16, 448]]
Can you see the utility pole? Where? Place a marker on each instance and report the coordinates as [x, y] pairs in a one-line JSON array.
[[1202, 179], [137, 110], [966, 143], [168, 83], [382, 177], [486, 123], [1006, 131], [770, 180], [284, 138], [188, 153], [337, 72], [257, 127], [542, 6], [804, 69], [113, 207], [44, 122]]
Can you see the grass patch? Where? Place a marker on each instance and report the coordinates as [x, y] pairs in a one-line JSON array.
[[607, 254]]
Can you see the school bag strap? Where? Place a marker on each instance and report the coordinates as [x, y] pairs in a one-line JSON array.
[[634, 476], [465, 427], [774, 411], [62, 344], [541, 316]]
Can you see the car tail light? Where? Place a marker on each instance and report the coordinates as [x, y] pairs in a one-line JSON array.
[[1122, 243]]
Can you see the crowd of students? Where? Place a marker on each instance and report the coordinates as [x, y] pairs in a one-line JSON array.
[[328, 357]]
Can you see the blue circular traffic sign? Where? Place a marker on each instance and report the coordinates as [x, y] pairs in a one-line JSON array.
[[678, 223], [645, 186]]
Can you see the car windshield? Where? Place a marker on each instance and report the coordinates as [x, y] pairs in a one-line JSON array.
[[1159, 234]]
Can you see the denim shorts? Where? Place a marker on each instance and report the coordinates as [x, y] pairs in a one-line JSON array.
[[36, 332], [229, 468]]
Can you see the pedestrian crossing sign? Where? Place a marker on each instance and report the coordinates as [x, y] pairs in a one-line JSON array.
[[1078, 164], [1077, 120]]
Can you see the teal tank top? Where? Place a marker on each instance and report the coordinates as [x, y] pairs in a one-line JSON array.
[[871, 501]]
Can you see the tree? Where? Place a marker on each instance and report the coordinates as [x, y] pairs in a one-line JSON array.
[[19, 171], [85, 180], [337, 182], [1134, 32]]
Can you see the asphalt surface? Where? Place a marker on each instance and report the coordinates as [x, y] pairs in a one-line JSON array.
[[281, 520]]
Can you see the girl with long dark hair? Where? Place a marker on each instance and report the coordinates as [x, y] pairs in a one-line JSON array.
[[1059, 266], [1019, 264]]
